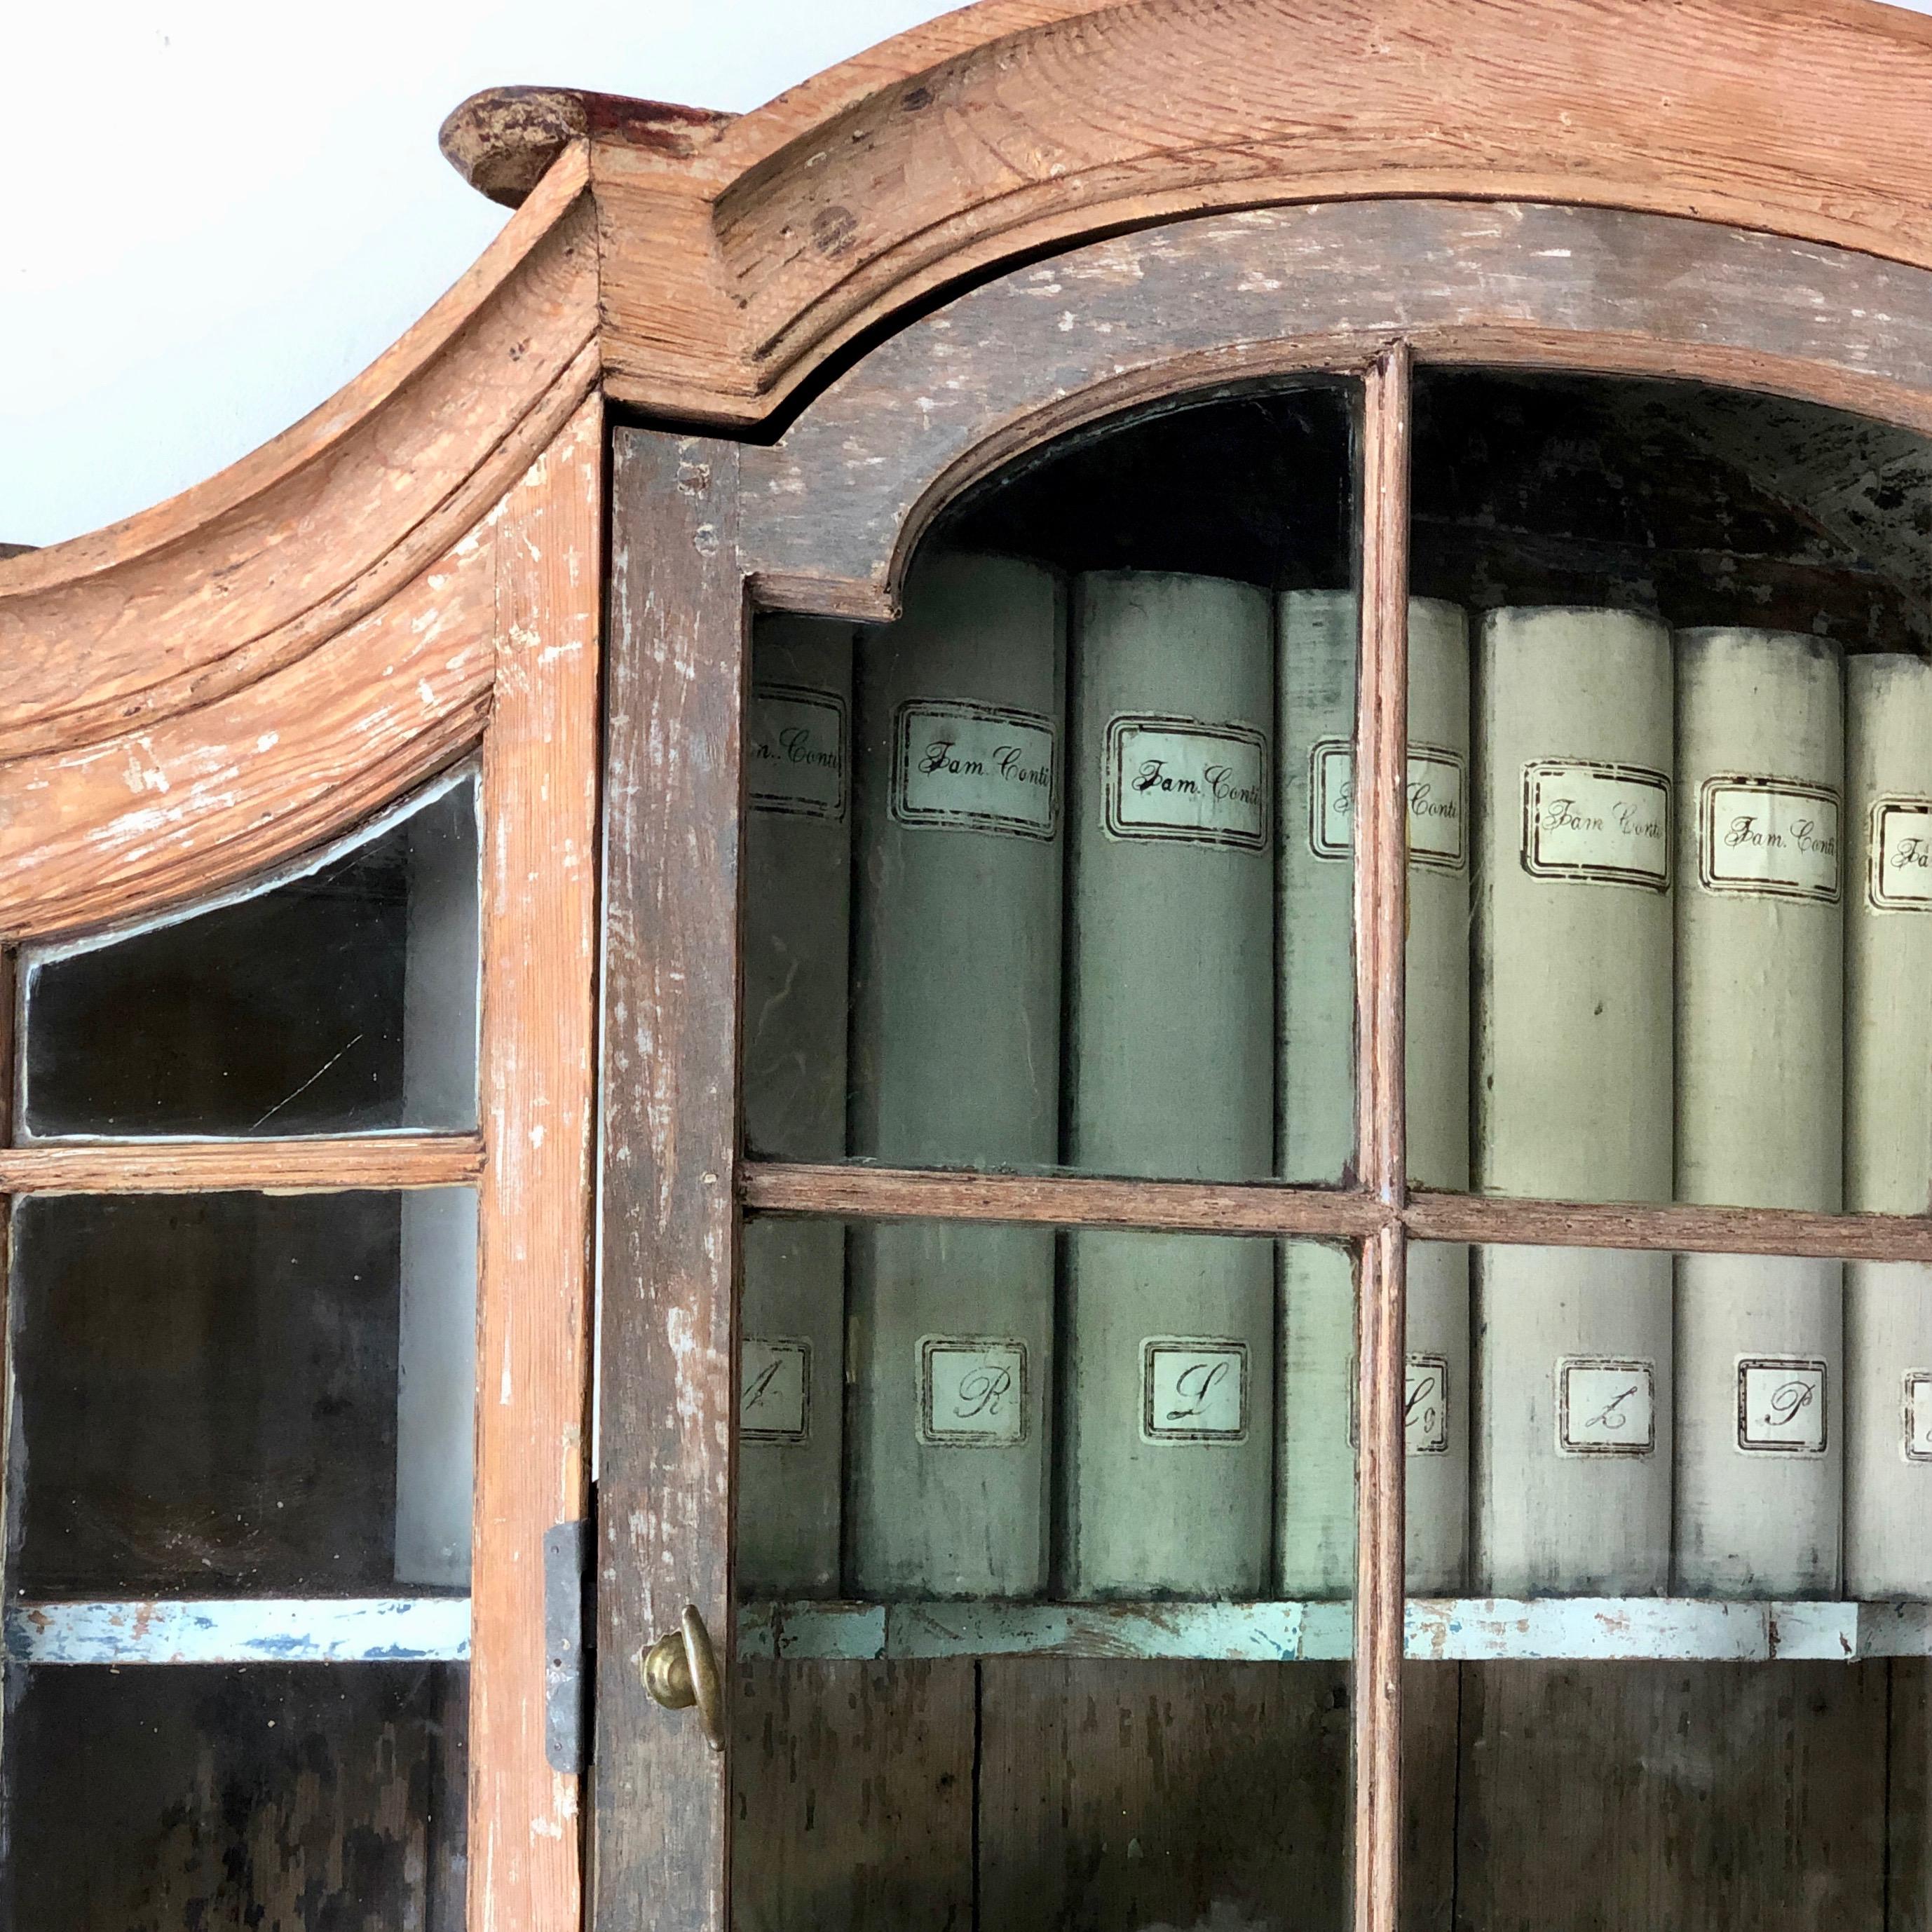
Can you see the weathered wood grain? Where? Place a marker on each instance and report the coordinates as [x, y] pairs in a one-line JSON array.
[[836, 504], [672, 831], [852, 1796], [740, 257], [289, 1167], [541, 761]]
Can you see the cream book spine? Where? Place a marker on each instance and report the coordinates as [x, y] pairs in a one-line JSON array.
[[1760, 1107], [1888, 887], [1169, 1339], [1570, 1461], [1315, 1514], [955, 1062], [798, 880]]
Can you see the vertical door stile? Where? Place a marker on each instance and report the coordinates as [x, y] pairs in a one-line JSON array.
[[673, 829], [1381, 892], [537, 1097]]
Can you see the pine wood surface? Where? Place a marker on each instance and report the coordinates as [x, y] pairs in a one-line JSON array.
[[676, 676], [183, 1167], [739, 256], [538, 1077]]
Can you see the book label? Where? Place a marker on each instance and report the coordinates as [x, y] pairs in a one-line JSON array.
[[1426, 1405], [1918, 1435], [1173, 777], [1194, 1389], [974, 768], [795, 752], [1605, 1406], [775, 1389], [972, 1391], [1597, 824], [1899, 879], [1768, 836], [1781, 1405], [1434, 804]]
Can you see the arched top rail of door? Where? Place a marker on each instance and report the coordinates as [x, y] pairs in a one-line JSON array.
[[832, 509], [737, 254]]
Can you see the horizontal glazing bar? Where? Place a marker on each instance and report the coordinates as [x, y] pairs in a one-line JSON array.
[[336, 1629], [321, 1166]]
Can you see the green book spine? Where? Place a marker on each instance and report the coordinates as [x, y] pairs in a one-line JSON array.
[[955, 1047], [1760, 1107], [1888, 888], [1169, 1339], [798, 873], [1316, 1515], [1571, 1458]]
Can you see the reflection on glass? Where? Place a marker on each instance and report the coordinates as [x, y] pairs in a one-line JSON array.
[[272, 1796], [341, 999], [1099, 785], [226, 1393]]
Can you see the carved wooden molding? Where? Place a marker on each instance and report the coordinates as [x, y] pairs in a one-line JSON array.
[[739, 254]]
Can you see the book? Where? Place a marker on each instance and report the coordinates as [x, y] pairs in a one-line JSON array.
[[798, 876], [1315, 1514], [1571, 1460], [1760, 1107], [1888, 888], [1169, 1340], [955, 1062]]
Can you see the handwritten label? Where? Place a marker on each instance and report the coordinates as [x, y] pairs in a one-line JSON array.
[[1426, 1404], [1771, 836], [1597, 824], [1900, 875], [775, 1389], [1605, 1406], [1194, 1389], [1172, 778], [972, 1391], [1918, 1438], [1435, 836], [1781, 1405], [795, 752], [974, 768]]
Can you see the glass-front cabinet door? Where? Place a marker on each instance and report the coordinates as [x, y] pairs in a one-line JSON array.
[[1268, 1136]]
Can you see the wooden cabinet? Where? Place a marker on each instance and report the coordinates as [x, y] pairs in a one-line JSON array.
[[1013, 1016]]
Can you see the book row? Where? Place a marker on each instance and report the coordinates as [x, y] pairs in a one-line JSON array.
[[1051, 872]]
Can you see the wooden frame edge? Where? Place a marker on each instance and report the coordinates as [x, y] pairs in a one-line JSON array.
[[378, 1162]]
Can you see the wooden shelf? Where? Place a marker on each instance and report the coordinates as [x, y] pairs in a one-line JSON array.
[[282, 1630], [1446, 1630]]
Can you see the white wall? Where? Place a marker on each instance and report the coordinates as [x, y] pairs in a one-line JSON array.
[[217, 211]]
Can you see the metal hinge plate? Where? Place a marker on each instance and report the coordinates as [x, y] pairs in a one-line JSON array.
[[566, 1647]]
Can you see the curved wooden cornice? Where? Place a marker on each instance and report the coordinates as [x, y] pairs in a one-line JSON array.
[[737, 255]]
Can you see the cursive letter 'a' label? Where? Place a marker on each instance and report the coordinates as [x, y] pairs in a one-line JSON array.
[[1781, 1406], [1605, 1406], [1901, 875], [1434, 804], [1772, 837], [795, 752], [972, 1391], [1598, 824], [1194, 1389], [775, 1389], [1173, 777], [974, 768]]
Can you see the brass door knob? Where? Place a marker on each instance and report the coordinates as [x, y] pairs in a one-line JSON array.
[[680, 1672]]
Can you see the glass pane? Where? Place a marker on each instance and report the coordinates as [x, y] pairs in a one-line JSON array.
[[340, 997], [230, 1394], [1703, 741], [1026, 867], [283, 1799], [1070, 1637]]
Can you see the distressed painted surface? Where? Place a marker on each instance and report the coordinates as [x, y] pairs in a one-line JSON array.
[[289, 1630]]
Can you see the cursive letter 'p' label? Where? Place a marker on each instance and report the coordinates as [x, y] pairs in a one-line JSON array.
[[1781, 1406]]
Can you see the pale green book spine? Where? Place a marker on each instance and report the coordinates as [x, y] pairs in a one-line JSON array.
[[1316, 1527], [1760, 1107], [1888, 1120], [798, 879], [1570, 1461], [1169, 1339], [955, 1062]]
